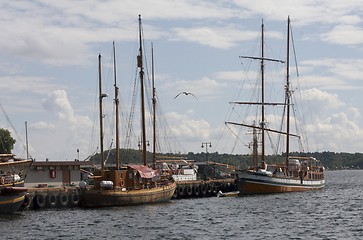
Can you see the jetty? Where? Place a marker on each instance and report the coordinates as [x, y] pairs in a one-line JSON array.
[[57, 184]]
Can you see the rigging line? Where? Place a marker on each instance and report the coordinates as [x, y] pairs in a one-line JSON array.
[[293, 47], [147, 81], [108, 152], [237, 138], [272, 145], [306, 140], [162, 124], [299, 131], [92, 136], [237, 94], [12, 126], [279, 141], [132, 110]]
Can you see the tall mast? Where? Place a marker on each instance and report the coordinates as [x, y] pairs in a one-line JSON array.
[[140, 65], [101, 114], [287, 92], [262, 126], [262, 97], [254, 147], [154, 107], [26, 138], [116, 106]]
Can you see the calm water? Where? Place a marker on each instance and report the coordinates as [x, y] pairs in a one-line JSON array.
[[333, 213]]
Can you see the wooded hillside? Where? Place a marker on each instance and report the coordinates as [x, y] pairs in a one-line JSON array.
[[330, 160]]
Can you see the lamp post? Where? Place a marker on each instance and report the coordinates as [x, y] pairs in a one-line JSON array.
[[206, 148], [147, 144]]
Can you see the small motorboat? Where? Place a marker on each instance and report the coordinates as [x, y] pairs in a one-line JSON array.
[[227, 194]]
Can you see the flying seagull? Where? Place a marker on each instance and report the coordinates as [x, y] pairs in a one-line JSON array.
[[186, 93]]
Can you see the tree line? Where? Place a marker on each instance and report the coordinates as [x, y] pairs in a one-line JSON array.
[[330, 160]]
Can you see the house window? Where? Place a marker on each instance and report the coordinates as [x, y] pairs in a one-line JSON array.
[[52, 173]]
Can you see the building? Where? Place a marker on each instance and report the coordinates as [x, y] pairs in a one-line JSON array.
[[55, 173]]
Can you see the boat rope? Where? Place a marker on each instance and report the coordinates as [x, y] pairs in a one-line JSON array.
[[13, 128], [293, 47]]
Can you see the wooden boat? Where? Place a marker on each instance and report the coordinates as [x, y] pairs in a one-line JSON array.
[[12, 175], [227, 194], [129, 184], [296, 173]]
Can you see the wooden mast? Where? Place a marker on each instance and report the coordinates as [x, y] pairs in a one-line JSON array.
[[26, 138], [262, 125], [140, 65], [254, 148], [154, 107], [287, 93], [262, 98], [101, 114], [116, 110]]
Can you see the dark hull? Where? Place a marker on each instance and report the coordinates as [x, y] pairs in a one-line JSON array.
[[10, 203], [108, 198]]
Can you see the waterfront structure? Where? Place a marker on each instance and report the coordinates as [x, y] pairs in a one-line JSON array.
[[56, 173]]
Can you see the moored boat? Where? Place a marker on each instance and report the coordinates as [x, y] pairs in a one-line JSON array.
[[308, 175], [296, 173], [132, 185], [227, 194], [128, 184], [12, 175]]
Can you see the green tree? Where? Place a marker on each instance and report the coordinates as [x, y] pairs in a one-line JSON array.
[[6, 141]]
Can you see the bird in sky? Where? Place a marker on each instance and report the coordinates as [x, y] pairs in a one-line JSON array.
[[186, 93]]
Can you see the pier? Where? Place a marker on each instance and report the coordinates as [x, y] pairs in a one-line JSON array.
[[39, 198], [69, 197], [209, 188], [55, 184]]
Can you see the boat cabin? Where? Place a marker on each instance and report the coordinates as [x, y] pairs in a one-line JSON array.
[[128, 178]]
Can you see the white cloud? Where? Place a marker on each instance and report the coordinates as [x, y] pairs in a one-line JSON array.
[[306, 12], [21, 84], [183, 126], [333, 73], [42, 125], [218, 37], [44, 44], [229, 75], [204, 89], [321, 99], [61, 136], [57, 101], [337, 132], [344, 35]]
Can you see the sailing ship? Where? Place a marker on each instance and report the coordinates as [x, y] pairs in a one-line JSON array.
[[12, 175], [130, 184], [295, 173]]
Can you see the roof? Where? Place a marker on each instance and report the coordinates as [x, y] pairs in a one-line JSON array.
[[58, 163], [145, 171]]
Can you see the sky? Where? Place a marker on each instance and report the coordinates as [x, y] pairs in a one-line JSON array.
[[49, 68]]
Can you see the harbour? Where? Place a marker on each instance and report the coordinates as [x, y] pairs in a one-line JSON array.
[[112, 150], [336, 213], [49, 190], [69, 197]]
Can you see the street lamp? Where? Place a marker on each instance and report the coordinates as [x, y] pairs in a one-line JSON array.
[[206, 148], [147, 144]]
